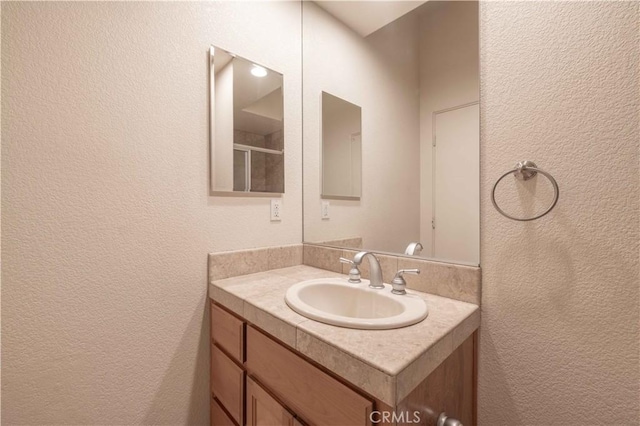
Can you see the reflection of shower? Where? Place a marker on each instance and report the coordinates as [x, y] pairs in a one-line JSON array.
[[241, 169], [257, 169], [413, 249]]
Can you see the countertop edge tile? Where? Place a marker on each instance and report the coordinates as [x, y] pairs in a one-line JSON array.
[[226, 299], [277, 327], [320, 337], [466, 328], [362, 375], [420, 368]]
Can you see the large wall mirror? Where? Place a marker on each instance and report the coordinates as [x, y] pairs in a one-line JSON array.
[[411, 69], [247, 138]]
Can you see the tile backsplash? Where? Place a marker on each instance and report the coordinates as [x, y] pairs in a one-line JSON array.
[[457, 282], [352, 243], [243, 262]]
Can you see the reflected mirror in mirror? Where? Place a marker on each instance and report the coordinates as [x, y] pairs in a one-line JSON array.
[[341, 148], [247, 138], [414, 73]]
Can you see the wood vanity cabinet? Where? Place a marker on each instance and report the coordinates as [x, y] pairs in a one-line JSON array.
[[258, 381]]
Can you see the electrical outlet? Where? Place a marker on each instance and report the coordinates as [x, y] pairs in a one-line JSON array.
[[276, 210], [324, 213]]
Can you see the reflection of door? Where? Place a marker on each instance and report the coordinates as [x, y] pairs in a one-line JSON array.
[[456, 175], [356, 164]]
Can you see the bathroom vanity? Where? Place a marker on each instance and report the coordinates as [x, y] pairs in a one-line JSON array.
[[271, 366]]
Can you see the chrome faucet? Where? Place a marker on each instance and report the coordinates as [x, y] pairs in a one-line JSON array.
[[375, 272], [414, 249]]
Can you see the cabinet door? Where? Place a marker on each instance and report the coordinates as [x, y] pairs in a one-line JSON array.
[[263, 409], [450, 388]]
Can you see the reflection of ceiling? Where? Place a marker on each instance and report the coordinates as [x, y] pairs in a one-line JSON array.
[[221, 59], [366, 17], [257, 101], [251, 111], [269, 106]]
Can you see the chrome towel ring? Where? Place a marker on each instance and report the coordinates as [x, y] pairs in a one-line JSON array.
[[526, 170]]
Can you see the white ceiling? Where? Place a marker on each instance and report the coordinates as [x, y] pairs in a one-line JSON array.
[[366, 17]]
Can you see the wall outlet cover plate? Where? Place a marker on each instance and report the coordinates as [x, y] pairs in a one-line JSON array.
[[276, 210], [324, 212]]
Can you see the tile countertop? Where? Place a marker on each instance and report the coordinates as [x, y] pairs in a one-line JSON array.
[[387, 364]]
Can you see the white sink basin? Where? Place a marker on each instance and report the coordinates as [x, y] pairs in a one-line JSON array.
[[336, 301]]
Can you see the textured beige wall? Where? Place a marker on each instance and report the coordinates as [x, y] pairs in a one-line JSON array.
[[559, 340], [379, 74], [107, 220]]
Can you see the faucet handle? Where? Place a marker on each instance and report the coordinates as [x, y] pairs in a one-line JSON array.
[[354, 272], [398, 283]]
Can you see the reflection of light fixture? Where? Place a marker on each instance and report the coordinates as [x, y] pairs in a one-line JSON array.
[[258, 71]]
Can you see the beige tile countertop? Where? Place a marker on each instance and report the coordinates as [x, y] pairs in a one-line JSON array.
[[388, 364]]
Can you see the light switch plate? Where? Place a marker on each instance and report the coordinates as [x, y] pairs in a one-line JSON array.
[[276, 210], [324, 213]]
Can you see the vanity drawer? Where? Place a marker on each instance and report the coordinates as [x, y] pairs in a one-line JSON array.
[[227, 383], [218, 416], [228, 332], [314, 395]]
